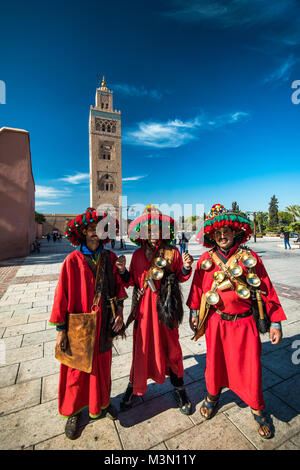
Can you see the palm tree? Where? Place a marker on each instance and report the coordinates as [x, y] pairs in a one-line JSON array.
[[294, 210]]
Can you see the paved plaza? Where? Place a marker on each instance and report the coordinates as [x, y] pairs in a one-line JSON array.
[[29, 372]]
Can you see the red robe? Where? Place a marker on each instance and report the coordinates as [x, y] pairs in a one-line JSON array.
[[156, 348], [74, 294], [234, 347]]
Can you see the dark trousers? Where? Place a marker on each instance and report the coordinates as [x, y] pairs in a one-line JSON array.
[[176, 381]]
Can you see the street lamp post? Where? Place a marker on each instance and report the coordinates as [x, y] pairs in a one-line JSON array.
[[254, 223]]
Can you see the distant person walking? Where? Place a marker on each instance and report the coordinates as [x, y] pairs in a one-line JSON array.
[[183, 243], [286, 235], [54, 237], [48, 237]]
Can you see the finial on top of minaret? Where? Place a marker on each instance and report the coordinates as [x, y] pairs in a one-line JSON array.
[[103, 84]]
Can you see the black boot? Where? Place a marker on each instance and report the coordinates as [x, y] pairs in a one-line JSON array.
[[126, 402], [72, 426], [111, 412], [182, 401]]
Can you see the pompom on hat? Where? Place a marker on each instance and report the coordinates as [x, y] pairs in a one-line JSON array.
[[220, 217], [73, 231], [138, 229]]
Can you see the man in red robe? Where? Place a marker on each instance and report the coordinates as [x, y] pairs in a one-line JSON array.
[[75, 294], [232, 337], [156, 347]]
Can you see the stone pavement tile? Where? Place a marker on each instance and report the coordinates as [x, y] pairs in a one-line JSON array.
[[39, 317], [33, 311], [20, 396], [150, 423], [280, 362], [196, 347], [121, 366], [123, 346], [15, 356], [194, 365], [2, 332], [17, 307], [12, 342], [24, 329], [288, 445], [288, 391], [8, 375], [14, 321], [283, 418], [161, 446], [30, 370], [216, 434], [269, 379], [100, 434], [50, 387], [296, 440], [39, 337], [49, 346], [30, 426]]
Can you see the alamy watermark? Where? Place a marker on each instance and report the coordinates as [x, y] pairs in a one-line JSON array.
[[296, 95], [2, 92], [187, 217], [296, 354]]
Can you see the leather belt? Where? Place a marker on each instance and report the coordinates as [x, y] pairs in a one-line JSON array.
[[227, 317]]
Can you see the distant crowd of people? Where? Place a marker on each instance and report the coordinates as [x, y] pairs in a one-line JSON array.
[[55, 236]]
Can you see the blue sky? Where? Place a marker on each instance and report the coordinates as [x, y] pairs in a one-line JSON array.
[[204, 87]]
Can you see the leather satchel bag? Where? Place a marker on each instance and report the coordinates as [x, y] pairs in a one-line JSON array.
[[81, 335]]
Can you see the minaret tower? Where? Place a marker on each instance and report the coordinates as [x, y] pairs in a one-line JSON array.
[[105, 151]]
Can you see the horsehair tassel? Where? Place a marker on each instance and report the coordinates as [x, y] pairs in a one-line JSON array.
[[168, 294]]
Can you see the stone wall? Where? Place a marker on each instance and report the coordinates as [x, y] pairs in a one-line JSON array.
[[17, 194]]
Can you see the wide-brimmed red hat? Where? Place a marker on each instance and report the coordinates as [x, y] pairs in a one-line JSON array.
[[73, 231], [138, 229], [220, 217]]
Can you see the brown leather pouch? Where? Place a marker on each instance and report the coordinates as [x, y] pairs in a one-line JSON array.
[[81, 333]]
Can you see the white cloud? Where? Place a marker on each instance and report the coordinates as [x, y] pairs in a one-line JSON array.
[[46, 203], [42, 192], [229, 13], [132, 90], [134, 178], [176, 133], [283, 72], [76, 179]]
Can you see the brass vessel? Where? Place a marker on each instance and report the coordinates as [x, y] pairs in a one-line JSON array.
[[206, 264], [248, 260]]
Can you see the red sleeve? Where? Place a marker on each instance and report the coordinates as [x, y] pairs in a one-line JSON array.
[[272, 303], [195, 294], [177, 266], [59, 309]]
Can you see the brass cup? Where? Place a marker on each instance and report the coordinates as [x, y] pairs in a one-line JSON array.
[[157, 274], [160, 262], [236, 270], [225, 285], [212, 298], [219, 276], [242, 291], [248, 260], [253, 280], [206, 264]]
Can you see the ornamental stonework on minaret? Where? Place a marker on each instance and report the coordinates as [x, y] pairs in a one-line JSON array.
[[105, 151]]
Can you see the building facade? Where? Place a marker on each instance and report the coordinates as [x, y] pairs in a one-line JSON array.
[[17, 194], [105, 152]]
